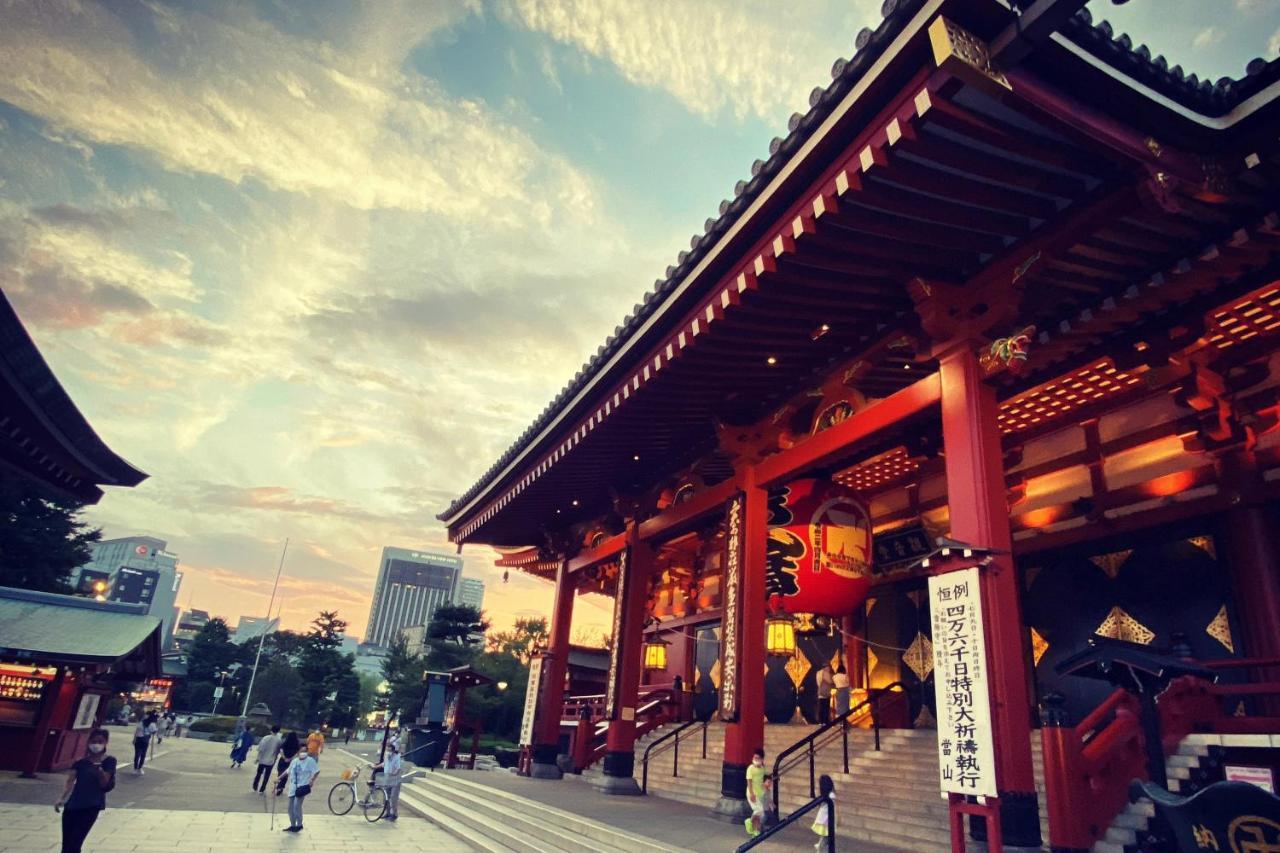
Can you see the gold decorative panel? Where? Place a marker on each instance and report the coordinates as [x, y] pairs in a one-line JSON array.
[[1220, 629], [1039, 645], [919, 656], [925, 719], [797, 667], [715, 673], [872, 661], [916, 596], [1111, 563], [1205, 543], [1121, 626]]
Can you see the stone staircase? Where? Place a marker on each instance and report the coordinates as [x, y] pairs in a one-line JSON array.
[[496, 821]]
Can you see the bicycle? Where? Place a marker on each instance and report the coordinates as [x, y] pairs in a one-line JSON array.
[[342, 796]]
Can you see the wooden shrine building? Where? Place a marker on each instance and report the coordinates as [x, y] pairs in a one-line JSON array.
[[1009, 279]]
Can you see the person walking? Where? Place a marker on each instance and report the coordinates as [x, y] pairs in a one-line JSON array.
[[315, 744], [85, 794], [141, 742], [289, 749], [302, 772], [826, 788], [392, 767], [755, 794], [841, 682], [268, 750], [240, 747], [824, 682]]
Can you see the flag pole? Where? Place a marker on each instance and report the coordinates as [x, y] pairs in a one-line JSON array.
[[262, 638]]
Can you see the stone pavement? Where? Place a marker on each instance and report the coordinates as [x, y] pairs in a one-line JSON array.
[[191, 800], [33, 828]]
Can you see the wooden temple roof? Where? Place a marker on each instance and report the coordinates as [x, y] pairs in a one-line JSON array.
[[43, 436], [903, 173]]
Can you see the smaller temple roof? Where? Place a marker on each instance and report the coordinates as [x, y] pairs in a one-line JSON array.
[[45, 628]]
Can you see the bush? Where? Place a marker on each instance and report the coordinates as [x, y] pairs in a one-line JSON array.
[[227, 726]]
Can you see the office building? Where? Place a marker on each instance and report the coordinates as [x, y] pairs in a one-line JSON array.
[[471, 593], [252, 627], [138, 570], [189, 624], [411, 585], [369, 659]]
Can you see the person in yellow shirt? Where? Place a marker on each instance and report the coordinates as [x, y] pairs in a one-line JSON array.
[[315, 744], [755, 794]]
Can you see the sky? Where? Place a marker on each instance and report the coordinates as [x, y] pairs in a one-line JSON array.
[[314, 265]]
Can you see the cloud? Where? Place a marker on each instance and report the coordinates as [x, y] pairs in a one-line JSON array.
[[1273, 44], [308, 119], [749, 58], [1207, 37]]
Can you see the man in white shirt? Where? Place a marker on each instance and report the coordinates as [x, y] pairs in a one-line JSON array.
[[268, 750]]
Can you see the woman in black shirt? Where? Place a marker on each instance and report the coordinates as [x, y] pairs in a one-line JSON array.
[[288, 749], [85, 794]]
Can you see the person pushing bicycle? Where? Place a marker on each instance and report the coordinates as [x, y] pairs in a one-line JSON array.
[[391, 768]]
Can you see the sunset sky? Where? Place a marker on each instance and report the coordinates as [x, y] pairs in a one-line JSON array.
[[314, 265]]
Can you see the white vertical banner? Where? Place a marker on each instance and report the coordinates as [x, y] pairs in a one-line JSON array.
[[966, 757], [531, 700]]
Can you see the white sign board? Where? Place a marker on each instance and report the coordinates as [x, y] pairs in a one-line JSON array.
[[1260, 776], [217, 693], [87, 712], [531, 701], [966, 758]]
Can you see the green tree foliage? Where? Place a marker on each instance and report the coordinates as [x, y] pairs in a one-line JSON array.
[[279, 686], [403, 674], [42, 539], [527, 634], [500, 711], [212, 653], [460, 624], [330, 686]]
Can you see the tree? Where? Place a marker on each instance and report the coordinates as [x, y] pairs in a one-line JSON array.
[[279, 686], [527, 634], [42, 539], [330, 686], [403, 674], [460, 624], [592, 638], [212, 653]]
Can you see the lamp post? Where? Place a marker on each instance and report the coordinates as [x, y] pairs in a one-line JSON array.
[[217, 694]]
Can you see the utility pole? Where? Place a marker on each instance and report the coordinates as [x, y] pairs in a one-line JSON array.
[[248, 694]]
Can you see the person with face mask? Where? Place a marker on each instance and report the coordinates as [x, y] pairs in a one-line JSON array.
[[85, 794], [755, 794], [392, 766]]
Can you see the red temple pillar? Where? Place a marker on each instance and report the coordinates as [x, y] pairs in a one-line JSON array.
[[742, 655], [1255, 575], [625, 667], [546, 745], [980, 516]]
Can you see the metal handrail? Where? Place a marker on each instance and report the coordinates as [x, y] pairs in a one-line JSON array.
[[796, 815], [675, 767], [843, 722]]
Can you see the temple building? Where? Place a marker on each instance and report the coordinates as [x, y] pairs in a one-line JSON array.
[[1002, 307]]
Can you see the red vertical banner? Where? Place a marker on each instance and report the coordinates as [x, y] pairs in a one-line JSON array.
[[619, 626], [730, 630]]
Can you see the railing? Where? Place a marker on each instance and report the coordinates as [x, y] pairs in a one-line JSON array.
[[673, 736], [1192, 704], [787, 821], [826, 735], [590, 739], [1088, 767]]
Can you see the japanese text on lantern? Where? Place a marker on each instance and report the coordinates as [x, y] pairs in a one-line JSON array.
[[966, 760]]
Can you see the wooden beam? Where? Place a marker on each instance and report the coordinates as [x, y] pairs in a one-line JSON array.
[[605, 551], [680, 519], [831, 445]]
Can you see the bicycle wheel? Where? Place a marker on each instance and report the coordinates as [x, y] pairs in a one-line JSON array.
[[375, 805], [342, 797]]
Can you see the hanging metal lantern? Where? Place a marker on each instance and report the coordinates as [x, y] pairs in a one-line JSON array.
[[655, 654], [819, 549], [780, 635]]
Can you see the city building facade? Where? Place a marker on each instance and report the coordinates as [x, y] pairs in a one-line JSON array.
[[471, 593], [189, 624], [411, 585], [137, 570]]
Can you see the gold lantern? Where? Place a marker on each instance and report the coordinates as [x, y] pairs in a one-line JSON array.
[[655, 654], [780, 636]]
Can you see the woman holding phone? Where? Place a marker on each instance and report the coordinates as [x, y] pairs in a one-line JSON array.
[[85, 794]]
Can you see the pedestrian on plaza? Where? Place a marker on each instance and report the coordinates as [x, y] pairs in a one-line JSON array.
[[240, 747], [825, 683], [841, 682], [141, 743], [289, 749], [302, 772], [315, 744], [391, 768], [85, 794], [755, 794], [826, 788], [347, 742], [268, 751]]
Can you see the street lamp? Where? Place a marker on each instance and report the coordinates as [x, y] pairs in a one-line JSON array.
[[502, 685], [217, 693]]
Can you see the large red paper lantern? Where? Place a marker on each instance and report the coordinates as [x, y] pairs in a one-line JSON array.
[[819, 553]]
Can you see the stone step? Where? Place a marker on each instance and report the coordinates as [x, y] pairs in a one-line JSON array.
[[443, 818], [468, 825]]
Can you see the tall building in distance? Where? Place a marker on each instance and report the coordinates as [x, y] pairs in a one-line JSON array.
[[471, 593], [189, 624], [411, 585], [137, 570]]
